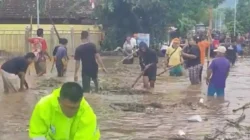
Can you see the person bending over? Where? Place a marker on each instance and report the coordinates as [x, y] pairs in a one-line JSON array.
[[148, 62]]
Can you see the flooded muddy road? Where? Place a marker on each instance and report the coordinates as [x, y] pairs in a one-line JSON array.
[[127, 114]]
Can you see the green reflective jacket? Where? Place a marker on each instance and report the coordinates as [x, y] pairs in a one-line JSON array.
[[49, 123]]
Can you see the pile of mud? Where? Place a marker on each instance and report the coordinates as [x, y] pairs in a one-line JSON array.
[[109, 83], [124, 91], [135, 107], [45, 86], [49, 83], [120, 70]]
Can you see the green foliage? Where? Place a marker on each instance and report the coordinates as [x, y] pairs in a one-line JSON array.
[[185, 24], [243, 14], [122, 17], [230, 27], [229, 15], [243, 17], [108, 43]]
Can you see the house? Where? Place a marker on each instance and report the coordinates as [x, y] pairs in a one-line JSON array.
[[62, 11]]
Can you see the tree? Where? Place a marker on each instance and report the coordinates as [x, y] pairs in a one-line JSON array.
[[243, 17], [243, 14], [229, 15], [122, 17], [229, 22]]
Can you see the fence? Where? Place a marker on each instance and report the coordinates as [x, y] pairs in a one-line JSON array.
[[15, 41]]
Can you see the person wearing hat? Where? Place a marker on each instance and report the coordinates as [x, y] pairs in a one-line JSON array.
[[174, 58], [148, 62], [217, 73]]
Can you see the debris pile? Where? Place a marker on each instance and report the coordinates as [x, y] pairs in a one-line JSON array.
[[51, 82], [135, 107], [239, 131]]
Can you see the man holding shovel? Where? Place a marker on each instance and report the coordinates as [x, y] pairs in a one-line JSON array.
[[17, 66], [148, 62], [87, 53], [128, 50]]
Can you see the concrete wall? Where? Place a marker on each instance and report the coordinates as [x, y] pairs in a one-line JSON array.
[[13, 36]]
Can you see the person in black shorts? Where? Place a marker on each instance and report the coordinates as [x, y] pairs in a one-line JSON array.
[[88, 55], [148, 62], [17, 66]]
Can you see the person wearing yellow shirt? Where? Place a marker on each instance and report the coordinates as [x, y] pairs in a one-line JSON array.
[[174, 58], [64, 115]]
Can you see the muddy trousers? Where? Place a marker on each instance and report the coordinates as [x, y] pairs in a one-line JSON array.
[[40, 67], [59, 68], [9, 81], [86, 83]]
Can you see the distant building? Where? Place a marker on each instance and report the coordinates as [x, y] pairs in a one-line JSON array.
[[19, 12]]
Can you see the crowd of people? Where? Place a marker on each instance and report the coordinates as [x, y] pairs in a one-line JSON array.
[[65, 114], [191, 55]]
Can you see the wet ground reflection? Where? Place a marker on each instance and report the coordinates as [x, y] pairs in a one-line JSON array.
[[178, 99]]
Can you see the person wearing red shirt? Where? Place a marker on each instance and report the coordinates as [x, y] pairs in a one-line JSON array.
[[216, 42], [39, 48]]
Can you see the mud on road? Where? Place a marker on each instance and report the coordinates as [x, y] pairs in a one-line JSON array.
[[134, 114]]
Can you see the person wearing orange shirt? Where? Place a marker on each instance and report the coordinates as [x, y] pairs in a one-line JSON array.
[[203, 45]]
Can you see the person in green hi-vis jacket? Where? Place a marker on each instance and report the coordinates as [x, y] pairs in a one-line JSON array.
[[64, 115]]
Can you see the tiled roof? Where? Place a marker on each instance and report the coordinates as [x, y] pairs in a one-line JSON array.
[[56, 8]]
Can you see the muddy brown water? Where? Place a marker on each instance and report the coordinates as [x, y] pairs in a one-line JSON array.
[[127, 114]]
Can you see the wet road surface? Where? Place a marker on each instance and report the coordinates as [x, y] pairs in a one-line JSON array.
[[178, 101]]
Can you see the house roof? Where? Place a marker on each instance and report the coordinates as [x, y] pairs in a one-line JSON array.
[[56, 8]]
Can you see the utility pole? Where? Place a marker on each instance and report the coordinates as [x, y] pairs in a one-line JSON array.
[[38, 13], [220, 22], [235, 16], [215, 19], [210, 28]]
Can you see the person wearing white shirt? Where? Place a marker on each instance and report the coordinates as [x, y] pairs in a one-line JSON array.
[[133, 42]]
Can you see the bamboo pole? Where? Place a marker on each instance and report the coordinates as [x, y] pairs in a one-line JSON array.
[[30, 35], [209, 34]]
